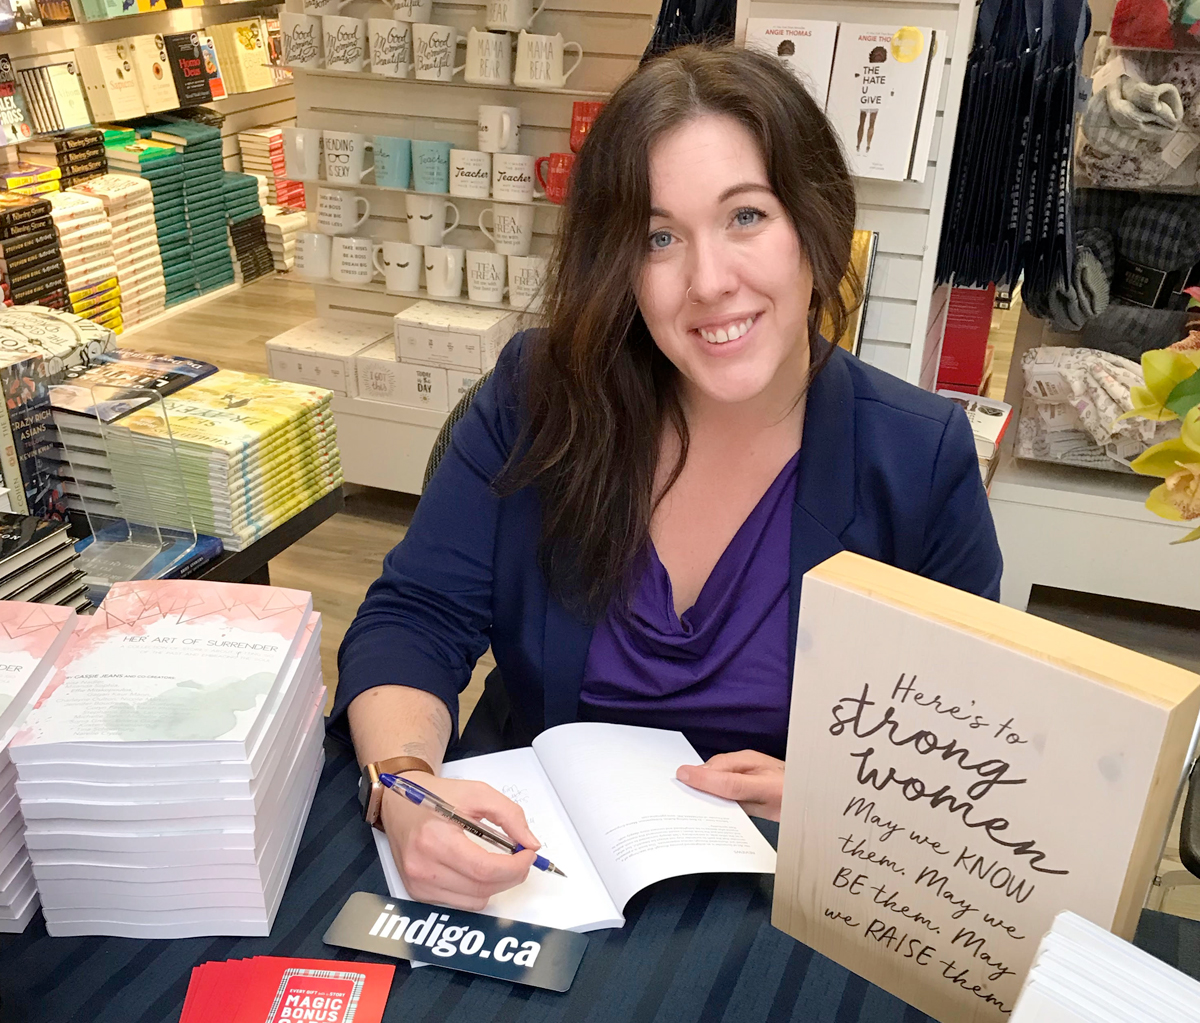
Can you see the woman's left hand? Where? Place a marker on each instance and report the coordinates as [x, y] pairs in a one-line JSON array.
[[754, 779]]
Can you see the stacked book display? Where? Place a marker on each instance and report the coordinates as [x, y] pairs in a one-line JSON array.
[[54, 96], [31, 267], [78, 154], [262, 153], [86, 240], [245, 59], [283, 224], [38, 565], [31, 638], [247, 227], [129, 203], [252, 451], [176, 810], [30, 178]]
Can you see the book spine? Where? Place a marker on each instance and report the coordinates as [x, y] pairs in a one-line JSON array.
[[22, 228], [18, 246]]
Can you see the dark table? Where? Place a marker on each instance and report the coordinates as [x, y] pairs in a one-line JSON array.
[[693, 949]]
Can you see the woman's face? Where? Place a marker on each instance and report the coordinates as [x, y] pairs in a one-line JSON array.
[[717, 229]]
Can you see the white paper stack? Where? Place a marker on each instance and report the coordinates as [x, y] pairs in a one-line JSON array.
[[262, 153], [1084, 974], [283, 225], [31, 638], [129, 203], [166, 775]]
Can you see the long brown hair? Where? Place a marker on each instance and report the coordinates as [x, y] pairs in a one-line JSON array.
[[599, 391]]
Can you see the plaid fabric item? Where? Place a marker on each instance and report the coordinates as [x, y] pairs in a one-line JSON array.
[[1102, 208], [1129, 330], [1161, 232]]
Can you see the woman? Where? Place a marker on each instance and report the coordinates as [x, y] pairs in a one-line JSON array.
[[628, 507]]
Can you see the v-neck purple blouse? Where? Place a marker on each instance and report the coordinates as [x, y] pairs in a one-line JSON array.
[[718, 673]]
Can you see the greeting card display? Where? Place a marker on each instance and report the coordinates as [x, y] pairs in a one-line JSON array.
[[958, 781]]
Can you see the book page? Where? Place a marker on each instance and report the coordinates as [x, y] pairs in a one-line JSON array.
[[577, 902], [639, 823]]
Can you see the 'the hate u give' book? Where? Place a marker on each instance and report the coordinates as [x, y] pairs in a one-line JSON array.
[[605, 804]]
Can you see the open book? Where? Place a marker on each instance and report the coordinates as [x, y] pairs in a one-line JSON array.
[[605, 804]]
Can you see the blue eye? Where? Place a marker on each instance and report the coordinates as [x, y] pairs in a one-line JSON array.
[[748, 216], [660, 239]]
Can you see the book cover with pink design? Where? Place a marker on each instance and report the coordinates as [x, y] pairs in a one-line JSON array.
[[31, 638], [184, 668]]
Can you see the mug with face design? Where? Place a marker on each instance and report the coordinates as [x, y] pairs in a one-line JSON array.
[[312, 255], [489, 58], [391, 46], [352, 260], [434, 48], [540, 61], [557, 179], [393, 162], [300, 35], [338, 211], [412, 10], [430, 166], [511, 15], [344, 153], [512, 178], [426, 216], [470, 173], [345, 43], [499, 129], [512, 228], [485, 276], [400, 265], [583, 116], [303, 153], [444, 270], [526, 280]]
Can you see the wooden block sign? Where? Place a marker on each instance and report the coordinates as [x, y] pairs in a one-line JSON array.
[[959, 772]]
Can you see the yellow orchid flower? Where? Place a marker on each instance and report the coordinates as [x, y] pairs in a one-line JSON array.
[[1178, 463], [1164, 368]]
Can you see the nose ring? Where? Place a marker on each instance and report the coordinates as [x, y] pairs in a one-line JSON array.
[[689, 297]]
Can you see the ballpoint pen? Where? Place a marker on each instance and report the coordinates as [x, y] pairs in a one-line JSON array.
[[423, 797]]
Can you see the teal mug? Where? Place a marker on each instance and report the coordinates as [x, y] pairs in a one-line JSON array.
[[393, 162], [430, 166]]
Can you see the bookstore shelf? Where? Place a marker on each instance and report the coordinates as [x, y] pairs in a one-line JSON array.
[[363, 187], [597, 94], [376, 288]]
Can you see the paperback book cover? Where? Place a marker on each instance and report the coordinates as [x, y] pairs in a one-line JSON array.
[[110, 80], [212, 67], [33, 488], [107, 389], [31, 635], [805, 47], [152, 67], [185, 53], [14, 118]]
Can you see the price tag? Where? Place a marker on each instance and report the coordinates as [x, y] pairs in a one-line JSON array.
[[1179, 147], [1108, 73]]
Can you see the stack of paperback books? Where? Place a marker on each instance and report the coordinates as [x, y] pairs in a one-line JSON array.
[[38, 563], [30, 272], [78, 154], [86, 240], [129, 203], [262, 153], [252, 451], [283, 224], [166, 773], [203, 185], [247, 227], [30, 178], [31, 638]]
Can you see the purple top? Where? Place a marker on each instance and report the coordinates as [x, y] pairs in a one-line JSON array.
[[719, 673]]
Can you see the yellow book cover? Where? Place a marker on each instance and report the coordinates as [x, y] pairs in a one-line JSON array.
[[854, 288]]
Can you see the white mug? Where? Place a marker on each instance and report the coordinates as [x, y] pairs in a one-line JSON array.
[[345, 43], [434, 48], [400, 264], [512, 228], [351, 260], [443, 270], [391, 46], [303, 153], [337, 210], [526, 281], [499, 129], [301, 37], [344, 152], [412, 10], [485, 276], [511, 15], [426, 216], [312, 255], [489, 58], [321, 7], [470, 173], [540, 61], [512, 178]]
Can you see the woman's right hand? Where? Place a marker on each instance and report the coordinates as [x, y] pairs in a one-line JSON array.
[[438, 862]]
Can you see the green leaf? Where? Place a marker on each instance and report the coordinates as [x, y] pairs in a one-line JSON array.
[[1185, 395]]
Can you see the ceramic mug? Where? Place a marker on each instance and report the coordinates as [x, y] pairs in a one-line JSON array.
[[470, 173], [391, 47], [512, 178], [512, 228], [426, 215], [303, 153], [393, 162], [511, 15], [321, 7], [300, 35], [338, 211], [499, 129], [489, 58], [583, 116], [312, 255], [400, 265], [540, 61], [558, 178], [351, 260], [444, 270], [485, 276], [430, 166], [526, 281], [344, 154], [434, 47], [412, 10], [345, 43]]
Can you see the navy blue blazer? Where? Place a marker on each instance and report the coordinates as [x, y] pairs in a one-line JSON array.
[[886, 470]]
